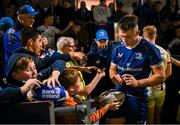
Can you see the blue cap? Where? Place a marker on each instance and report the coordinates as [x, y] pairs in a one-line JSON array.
[[56, 94], [101, 34], [6, 20], [27, 9]]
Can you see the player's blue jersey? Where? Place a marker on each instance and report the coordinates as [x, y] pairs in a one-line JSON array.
[[136, 61]]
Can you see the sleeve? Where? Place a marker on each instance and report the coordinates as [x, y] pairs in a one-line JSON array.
[[114, 56], [48, 60], [11, 95], [56, 30], [58, 65], [154, 56], [108, 12], [97, 115], [11, 43], [69, 102], [96, 14]]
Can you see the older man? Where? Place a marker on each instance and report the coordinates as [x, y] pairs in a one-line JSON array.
[[25, 17]]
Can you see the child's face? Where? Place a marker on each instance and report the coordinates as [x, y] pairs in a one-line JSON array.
[[75, 88], [28, 73]]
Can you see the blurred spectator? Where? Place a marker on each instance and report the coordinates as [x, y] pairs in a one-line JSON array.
[[101, 12], [3, 7], [135, 9], [67, 16], [119, 12], [170, 10], [157, 16], [55, 9], [83, 14], [147, 12], [5, 23], [11, 10], [48, 30], [113, 11]]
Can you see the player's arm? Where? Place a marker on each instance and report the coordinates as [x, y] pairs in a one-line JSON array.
[[116, 78], [158, 76]]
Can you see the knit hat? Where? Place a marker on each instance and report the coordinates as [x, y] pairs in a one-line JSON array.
[[12, 61], [101, 34], [27, 9]]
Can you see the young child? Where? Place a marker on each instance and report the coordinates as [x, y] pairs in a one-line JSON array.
[[22, 76], [70, 79]]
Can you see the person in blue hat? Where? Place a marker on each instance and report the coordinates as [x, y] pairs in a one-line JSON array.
[[100, 56], [5, 23], [25, 17]]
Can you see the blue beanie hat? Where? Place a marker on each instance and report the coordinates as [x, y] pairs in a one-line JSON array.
[[12, 61]]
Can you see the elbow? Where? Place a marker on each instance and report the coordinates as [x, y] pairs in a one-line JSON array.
[[162, 77]]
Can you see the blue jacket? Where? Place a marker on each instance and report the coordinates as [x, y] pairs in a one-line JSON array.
[[11, 94], [43, 63], [12, 42], [102, 59]]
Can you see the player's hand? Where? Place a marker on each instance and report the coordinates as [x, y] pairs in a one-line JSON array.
[[117, 79], [130, 80]]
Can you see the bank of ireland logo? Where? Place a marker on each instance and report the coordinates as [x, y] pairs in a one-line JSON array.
[[138, 55]]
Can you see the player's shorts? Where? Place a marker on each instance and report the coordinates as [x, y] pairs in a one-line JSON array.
[[134, 110]]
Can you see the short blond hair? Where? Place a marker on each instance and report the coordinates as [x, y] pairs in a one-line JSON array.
[[150, 32]]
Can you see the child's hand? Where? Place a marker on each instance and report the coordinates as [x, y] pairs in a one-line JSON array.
[[113, 105], [30, 84], [89, 68], [53, 79], [101, 72]]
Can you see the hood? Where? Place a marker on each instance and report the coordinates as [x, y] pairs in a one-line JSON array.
[[24, 51]]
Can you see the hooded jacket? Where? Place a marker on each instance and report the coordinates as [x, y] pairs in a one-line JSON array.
[[43, 63]]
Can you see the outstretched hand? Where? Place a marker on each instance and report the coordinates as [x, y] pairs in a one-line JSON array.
[[53, 79], [89, 69]]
